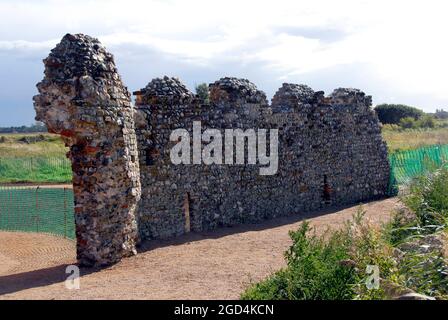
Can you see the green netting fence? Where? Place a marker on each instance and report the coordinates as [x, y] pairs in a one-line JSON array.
[[37, 209], [408, 164], [35, 169]]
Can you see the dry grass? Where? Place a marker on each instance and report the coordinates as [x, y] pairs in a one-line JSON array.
[[52, 146], [12, 146], [412, 139]]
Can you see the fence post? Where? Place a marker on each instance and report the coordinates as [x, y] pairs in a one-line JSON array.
[[37, 208], [65, 212]]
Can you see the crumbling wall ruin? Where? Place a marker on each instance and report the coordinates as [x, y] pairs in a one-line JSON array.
[[330, 151], [83, 99]]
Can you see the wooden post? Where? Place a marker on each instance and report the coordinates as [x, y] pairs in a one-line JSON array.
[[37, 209], [65, 212], [187, 212]]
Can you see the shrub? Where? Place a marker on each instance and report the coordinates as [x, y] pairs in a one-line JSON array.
[[393, 113], [203, 93], [408, 123], [313, 271], [428, 199], [391, 127], [406, 251], [329, 267], [425, 272], [426, 121]]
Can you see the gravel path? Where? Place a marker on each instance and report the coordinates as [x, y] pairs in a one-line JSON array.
[[212, 265]]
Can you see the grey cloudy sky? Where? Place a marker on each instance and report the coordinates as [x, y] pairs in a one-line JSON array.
[[395, 51]]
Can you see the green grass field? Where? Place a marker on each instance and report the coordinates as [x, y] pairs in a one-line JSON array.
[[38, 158], [37, 169]]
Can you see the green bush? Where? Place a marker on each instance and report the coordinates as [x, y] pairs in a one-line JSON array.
[[314, 271], [333, 266], [428, 199], [426, 121], [203, 93], [393, 113], [408, 123], [328, 267]]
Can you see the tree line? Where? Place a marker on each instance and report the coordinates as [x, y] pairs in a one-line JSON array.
[[37, 127]]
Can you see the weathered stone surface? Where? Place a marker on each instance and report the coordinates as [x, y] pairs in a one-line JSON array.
[[330, 153], [164, 90], [82, 98]]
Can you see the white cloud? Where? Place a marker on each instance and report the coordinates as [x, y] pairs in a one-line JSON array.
[[401, 43], [23, 45]]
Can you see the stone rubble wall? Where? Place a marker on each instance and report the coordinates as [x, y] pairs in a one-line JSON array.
[[83, 99], [331, 153], [127, 189]]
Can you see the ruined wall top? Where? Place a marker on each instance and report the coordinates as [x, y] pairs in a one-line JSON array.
[[79, 55], [164, 90], [350, 96], [234, 90], [81, 82], [291, 95], [231, 93]]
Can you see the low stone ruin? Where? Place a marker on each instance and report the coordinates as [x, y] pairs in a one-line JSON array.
[[330, 152]]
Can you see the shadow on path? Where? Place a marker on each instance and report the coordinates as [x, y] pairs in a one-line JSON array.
[[48, 276]]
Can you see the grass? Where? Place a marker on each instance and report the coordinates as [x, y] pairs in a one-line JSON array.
[[36, 170], [35, 157], [414, 138], [31, 145]]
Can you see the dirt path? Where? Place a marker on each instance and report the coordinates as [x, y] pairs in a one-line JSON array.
[[213, 265]]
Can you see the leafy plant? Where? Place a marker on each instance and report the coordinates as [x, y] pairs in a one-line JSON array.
[[393, 113]]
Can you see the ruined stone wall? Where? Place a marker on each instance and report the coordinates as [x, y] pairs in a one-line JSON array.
[[330, 153], [83, 99]]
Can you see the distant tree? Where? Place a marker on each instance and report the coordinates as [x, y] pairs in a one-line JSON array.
[[441, 114], [393, 113], [37, 127], [203, 93]]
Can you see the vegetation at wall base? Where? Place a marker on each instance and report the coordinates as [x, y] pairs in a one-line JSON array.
[[410, 252]]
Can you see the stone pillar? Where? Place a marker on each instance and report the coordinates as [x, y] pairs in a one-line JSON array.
[[83, 99]]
